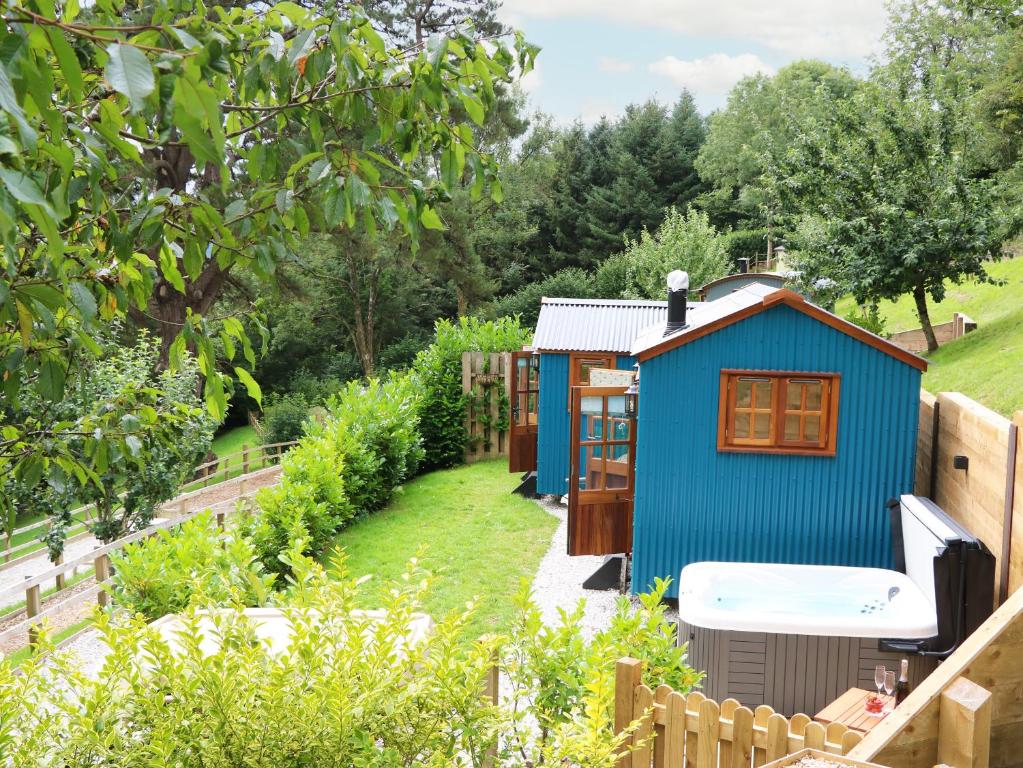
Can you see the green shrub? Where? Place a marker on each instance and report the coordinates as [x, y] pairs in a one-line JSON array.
[[869, 318], [188, 566], [284, 418], [347, 692], [745, 244], [438, 374], [347, 465], [611, 278]]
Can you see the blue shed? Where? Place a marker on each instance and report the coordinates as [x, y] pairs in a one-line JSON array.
[[574, 336], [769, 430]]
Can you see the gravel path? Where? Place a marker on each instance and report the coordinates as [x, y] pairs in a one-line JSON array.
[[558, 582]]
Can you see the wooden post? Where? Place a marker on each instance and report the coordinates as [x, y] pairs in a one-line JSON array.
[[220, 518], [964, 725], [33, 604], [628, 676], [245, 458], [102, 566], [61, 579]]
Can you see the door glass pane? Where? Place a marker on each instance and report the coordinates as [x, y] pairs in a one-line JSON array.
[[616, 405], [532, 408], [813, 395], [792, 427], [617, 467], [762, 426], [744, 393], [793, 396], [741, 425], [521, 374], [812, 428], [522, 416], [592, 405], [590, 468], [619, 429]]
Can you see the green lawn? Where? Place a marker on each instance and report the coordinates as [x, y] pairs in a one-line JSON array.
[[986, 364], [476, 537], [232, 442]]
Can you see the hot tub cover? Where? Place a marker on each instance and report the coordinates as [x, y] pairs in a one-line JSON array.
[[805, 600]]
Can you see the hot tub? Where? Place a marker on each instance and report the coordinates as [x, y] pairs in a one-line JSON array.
[[796, 637]]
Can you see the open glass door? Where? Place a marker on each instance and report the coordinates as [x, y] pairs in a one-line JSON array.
[[602, 463], [525, 396]]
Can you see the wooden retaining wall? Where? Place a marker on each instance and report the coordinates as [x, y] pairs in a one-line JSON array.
[[486, 382], [692, 731], [927, 728], [986, 498]]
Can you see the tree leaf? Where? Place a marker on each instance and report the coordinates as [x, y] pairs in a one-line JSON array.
[[68, 62], [83, 300], [430, 219], [128, 71], [250, 384], [9, 103], [51, 380]]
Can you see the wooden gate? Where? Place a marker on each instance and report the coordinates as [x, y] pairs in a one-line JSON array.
[[525, 397], [600, 489]]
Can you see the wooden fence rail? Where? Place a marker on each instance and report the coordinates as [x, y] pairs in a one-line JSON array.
[[691, 731], [209, 473], [99, 560]]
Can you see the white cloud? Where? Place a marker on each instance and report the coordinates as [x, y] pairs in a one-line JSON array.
[[711, 75], [839, 29], [614, 66]]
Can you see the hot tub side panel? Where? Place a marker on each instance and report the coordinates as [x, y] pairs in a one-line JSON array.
[[790, 673], [693, 503]]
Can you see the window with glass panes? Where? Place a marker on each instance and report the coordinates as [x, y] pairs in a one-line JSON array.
[[774, 412]]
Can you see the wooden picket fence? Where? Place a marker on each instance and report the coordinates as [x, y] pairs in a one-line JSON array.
[[691, 731], [486, 381]]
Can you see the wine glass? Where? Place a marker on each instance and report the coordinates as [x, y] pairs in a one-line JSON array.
[[879, 674], [889, 688]]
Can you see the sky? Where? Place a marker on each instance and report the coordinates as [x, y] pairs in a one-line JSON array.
[[600, 55]]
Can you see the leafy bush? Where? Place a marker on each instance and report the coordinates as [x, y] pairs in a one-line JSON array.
[[349, 465], [347, 691], [189, 566], [745, 244], [683, 241], [525, 302], [438, 373], [611, 279], [284, 418], [869, 318]]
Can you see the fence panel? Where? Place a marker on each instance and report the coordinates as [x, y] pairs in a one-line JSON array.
[[486, 382], [675, 730]]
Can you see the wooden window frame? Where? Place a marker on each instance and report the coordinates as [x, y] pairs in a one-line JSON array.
[[775, 443], [575, 361]]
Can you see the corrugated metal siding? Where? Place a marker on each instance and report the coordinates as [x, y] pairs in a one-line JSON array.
[[595, 325], [693, 503], [552, 425], [554, 422]]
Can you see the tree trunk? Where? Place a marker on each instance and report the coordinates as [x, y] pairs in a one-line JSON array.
[[920, 297]]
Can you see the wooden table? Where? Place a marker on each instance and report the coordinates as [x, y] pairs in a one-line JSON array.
[[849, 710]]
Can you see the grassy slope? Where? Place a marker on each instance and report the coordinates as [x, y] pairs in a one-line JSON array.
[[986, 364], [476, 537]]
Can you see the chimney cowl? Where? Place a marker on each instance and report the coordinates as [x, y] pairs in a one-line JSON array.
[[678, 295]]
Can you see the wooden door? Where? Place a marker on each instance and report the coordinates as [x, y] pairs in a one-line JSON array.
[[525, 395], [600, 489]]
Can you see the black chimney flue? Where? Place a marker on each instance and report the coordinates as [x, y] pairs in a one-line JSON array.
[[678, 293]]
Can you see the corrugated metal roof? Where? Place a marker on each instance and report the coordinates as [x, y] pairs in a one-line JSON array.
[[702, 314], [594, 325]]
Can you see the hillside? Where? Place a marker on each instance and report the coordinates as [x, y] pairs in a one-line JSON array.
[[987, 364]]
